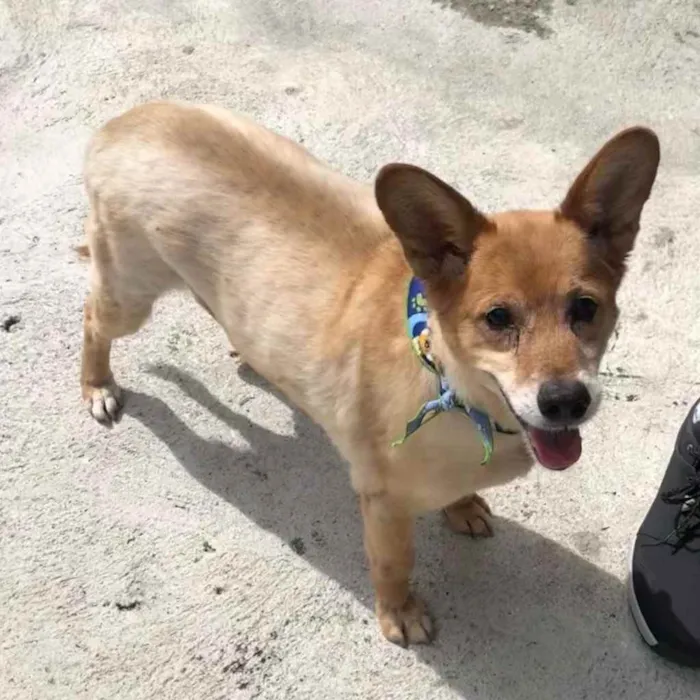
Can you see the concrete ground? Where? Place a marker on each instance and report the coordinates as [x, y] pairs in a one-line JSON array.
[[209, 546]]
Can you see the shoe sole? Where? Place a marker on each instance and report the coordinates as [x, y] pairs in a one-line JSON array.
[[647, 635], [635, 609]]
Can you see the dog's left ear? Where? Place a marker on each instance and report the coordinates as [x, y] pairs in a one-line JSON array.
[[607, 198], [434, 223]]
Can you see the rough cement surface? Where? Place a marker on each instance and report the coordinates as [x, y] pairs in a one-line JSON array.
[[209, 546]]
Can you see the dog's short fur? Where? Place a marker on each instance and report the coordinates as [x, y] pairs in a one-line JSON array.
[[307, 272]]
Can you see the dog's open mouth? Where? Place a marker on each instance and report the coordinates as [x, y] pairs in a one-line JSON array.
[[555, 449]]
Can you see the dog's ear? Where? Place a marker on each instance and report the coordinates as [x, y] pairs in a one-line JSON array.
[[607, 198], [434, 223]]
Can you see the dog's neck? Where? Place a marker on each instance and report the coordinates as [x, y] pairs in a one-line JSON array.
[[386, 278], [446, 398]]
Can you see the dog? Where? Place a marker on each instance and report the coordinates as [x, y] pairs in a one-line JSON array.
[[443, 350]]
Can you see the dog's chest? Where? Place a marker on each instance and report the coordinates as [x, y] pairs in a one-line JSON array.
[[442, 462]]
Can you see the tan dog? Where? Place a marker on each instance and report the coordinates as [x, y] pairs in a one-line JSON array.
[[307, 272]]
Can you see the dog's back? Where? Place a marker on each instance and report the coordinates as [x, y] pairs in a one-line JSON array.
[[201, 165]]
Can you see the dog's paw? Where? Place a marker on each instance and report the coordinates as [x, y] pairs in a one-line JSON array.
[[409, 624], [470, 516], [104, 403]]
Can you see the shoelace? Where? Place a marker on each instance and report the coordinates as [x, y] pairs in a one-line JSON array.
[[688, 498]]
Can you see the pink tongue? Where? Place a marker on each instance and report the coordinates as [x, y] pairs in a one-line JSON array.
[[556, 450]]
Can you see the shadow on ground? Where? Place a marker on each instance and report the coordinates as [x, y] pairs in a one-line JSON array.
[[519, 617], [525, 15]]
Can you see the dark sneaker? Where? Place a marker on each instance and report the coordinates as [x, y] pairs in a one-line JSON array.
[[664, 583]]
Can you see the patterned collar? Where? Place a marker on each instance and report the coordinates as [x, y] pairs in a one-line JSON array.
[[419, 335]]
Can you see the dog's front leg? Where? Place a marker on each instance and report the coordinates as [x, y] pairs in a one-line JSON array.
[[470, 515], [388, 530]]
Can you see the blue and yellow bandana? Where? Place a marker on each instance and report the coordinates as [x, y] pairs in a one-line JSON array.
[[419, 335]]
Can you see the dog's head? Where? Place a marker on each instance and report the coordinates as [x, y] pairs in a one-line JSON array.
[[523, 302]]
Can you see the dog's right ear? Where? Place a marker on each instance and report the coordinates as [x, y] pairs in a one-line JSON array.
[[434, 223]]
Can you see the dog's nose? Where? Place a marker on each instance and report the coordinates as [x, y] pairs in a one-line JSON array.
[[563, 400]]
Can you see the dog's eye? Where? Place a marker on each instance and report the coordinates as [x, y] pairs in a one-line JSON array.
[[583, 310], [499, 318]]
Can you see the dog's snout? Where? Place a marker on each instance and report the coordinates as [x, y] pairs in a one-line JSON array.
[[563, 400]]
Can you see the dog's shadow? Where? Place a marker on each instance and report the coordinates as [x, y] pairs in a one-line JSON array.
[[519, 616]]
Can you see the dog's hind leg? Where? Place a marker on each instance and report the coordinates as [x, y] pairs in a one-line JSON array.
[[232, 351], [127, 276]]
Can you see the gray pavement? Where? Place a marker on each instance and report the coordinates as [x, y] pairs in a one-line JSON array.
[[209, 546]]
